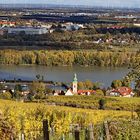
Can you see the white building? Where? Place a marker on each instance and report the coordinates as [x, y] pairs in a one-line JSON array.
[[69, 93], [70, 26], [75, 82], [28, 30]]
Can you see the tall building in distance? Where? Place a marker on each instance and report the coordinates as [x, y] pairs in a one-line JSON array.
[[75, 82]]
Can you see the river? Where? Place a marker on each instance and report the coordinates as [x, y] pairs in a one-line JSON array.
[[63, 74]]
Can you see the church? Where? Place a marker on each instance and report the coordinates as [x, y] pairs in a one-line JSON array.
[[74, 89]]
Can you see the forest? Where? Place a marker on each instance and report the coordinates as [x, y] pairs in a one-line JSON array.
[[69, 58]]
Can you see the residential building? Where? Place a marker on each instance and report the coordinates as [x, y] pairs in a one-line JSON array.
[[7, 23], [121, 92], [28, 30], [86, 92]]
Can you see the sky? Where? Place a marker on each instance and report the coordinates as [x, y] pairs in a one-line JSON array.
[[114, 3]]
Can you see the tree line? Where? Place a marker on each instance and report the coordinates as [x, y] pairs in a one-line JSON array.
[[69, 58]]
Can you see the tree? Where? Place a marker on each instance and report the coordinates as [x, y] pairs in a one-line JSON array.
[[116, 83], [38, 87], [6, 95], [40, 96], [138, 111], [30, 97], [81, 85], [88, 84], [126, 82], [99, 92], [97, 85], [18, 87], [48, 90], [17, 92], [134, 75], [107, 35], [1, 86], [102, 104]]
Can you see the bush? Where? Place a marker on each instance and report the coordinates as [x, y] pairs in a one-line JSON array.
[[102, 104], [6, 95], [138, 111], [30, 97], [40, 96], [99, 92]]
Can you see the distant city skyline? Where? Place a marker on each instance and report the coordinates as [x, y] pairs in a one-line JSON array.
[[106, 3]]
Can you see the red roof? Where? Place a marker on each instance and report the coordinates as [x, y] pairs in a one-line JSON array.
[[123, 91], [7, 22], [115, 27], [86, 91]]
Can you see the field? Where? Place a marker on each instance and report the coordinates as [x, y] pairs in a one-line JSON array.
[[18, 117]]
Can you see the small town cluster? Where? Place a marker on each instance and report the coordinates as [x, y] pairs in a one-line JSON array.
[[11, 27], [27, 90]]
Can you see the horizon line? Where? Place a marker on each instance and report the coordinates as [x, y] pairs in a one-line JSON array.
[[70, 5]]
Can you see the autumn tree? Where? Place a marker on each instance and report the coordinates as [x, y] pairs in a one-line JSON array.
[[38, 87], [88, 84], [134, 75], [116, 83], [81, 85]]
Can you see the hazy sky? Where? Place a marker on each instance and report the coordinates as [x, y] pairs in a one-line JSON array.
[[120, 3]]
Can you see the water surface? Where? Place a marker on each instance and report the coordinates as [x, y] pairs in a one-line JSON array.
[[63, 74]]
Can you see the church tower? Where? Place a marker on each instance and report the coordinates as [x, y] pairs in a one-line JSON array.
[[75, 84]]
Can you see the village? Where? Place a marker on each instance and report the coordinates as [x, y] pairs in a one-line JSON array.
[[27, 90]]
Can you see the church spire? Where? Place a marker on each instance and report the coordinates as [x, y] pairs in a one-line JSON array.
[[75, 81], [75, 78]]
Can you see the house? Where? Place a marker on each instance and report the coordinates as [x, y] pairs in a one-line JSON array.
[[7, 23], [71, 26], [69, 93], [121, 92], [58, 89], [24, 89], [86, 92]]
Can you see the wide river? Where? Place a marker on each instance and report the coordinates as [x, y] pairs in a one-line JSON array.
[[63, 74]]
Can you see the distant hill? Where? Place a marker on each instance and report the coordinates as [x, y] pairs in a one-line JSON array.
[[42, 6]]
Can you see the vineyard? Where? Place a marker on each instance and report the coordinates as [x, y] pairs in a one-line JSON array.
[[91, 102], [17, 118]]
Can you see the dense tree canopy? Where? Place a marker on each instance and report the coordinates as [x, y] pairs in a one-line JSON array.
[[69, 58]]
